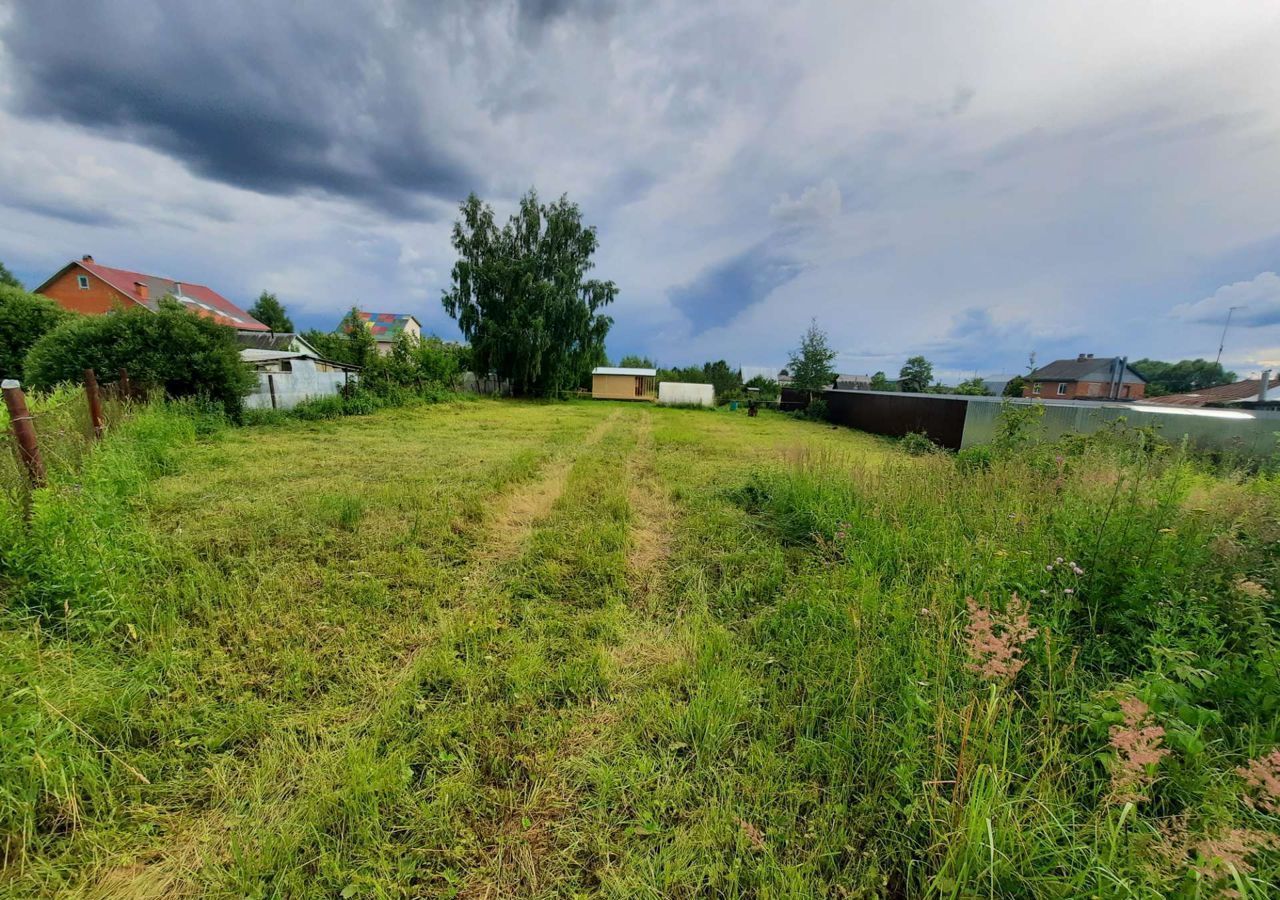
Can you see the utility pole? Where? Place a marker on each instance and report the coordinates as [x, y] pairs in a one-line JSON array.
[[1222, 343]]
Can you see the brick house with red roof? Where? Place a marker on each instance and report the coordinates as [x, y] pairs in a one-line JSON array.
[[85, 286]]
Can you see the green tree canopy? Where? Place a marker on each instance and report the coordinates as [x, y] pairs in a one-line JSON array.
[[881, 382], [974, 387], [768, 387], [810, 363], [351, 343], [521, 297], [915, 375], [24, 318], [1182, 376], [186, 354], [271, 312], [8, 279], [1015, 386], [631, 361]]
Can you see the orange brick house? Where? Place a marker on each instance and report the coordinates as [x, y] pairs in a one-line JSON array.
[[1086, 378], [84, 286]]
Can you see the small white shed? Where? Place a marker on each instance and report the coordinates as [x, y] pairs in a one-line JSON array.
[[685, 394]]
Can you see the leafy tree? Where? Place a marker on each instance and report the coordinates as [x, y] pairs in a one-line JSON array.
[[1181, 377], [973, 387], [1015, 386], [810, 363], [727, 381], [24, 318], [186, 354], [631, 361], [881, 382], [271, 312], [351, 343], [768, 387], [421, 366], [521, 297], [914, 377], [8, 279]]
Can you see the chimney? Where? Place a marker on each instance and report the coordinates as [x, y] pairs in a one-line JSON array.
[[140, 288], [177, 289], [86, 258], [1266, 383]]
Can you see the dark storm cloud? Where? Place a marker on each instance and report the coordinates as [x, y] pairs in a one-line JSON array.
[[279, 100], [722, 292]]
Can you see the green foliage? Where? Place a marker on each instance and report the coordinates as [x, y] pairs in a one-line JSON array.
[[1018, 426], [8, 279], [631, 361], [769, 389], [810, 363], [881, 382], [416, 365], [521, 297], [1181, 377], [352, 343], [917, 443], [1015, 386], [185, 354], [915, 375], [24, 319], [975, 459], [268, 310], [726, 380], [973, 387]]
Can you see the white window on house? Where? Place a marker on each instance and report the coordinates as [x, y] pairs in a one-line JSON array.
[[1035, 388], [83, 281], [1062, 388]]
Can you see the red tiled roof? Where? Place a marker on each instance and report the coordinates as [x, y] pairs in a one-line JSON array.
[[207, 302], [1222, 393]]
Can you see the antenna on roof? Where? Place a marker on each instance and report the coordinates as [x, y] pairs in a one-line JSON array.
[[1222, 343]]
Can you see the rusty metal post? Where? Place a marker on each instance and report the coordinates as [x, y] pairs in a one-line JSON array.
[[24, 431], [126, 392], [95, 404]]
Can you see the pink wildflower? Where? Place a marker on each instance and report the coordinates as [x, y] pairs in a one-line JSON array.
[[1137, 745], [1263, 775], [996, 639]]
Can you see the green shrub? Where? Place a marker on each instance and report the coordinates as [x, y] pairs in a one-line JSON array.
[[185, 354], [974, 459], [24, 319], [917, 443]]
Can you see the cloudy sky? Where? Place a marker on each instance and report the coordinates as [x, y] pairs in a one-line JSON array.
[[971, 181]]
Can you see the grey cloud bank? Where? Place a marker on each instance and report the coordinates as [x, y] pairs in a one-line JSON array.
[[968, 181]]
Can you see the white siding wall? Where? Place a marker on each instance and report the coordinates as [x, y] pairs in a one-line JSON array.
[[682, 392], [291, 388]]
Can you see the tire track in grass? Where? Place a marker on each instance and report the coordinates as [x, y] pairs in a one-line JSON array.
[[518, 512], [541, 841]]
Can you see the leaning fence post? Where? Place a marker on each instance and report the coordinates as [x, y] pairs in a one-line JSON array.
[[24, 431], [95, 403]]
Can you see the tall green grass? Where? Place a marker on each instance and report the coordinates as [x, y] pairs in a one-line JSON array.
[[835, 708]]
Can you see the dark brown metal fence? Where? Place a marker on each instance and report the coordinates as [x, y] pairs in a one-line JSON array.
[[894, 415]]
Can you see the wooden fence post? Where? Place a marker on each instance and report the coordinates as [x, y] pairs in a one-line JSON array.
[[95, 403], [24, 431], [126, 392]]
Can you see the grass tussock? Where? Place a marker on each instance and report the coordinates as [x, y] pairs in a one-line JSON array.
[[498, 649]]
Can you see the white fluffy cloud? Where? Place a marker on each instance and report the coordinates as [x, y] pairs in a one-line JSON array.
[[1256, 303], [1027, 161]]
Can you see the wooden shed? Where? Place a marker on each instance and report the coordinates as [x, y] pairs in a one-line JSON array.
[[611, 383]]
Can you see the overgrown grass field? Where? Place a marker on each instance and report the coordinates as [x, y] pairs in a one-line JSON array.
[[495, 649]]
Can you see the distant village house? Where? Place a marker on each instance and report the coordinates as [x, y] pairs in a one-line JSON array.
[[87, 287], [387, 328], [1086, 378]]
